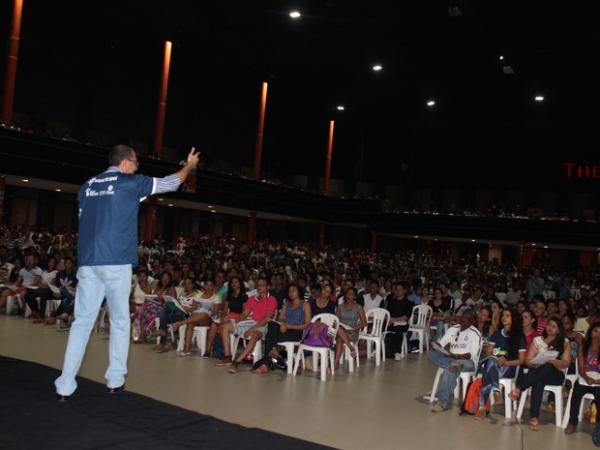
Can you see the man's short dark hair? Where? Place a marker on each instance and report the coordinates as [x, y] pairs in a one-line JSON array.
[[119, 153]]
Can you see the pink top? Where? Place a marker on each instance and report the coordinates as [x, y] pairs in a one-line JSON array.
[[261, 307]]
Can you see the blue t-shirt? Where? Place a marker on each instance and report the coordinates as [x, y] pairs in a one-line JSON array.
[[502, 344], [109, 205]]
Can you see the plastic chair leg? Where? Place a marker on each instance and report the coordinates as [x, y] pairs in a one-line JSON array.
[[558, 404], [436, 383], [181, 342]]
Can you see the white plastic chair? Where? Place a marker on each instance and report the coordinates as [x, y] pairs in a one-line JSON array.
[[169, 330], [379, 320], [461, 385], [13, 303], [419, 325], [506, 387], [235, 342], [558, 401], [573, 378], [290, 350], [325, 354], [347, 356], [51, 306], [199, 336], [582, 406]]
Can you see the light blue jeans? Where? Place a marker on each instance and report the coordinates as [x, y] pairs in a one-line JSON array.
[[94, 284], [448, 379]]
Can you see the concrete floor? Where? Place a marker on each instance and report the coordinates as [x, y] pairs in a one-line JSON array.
[[374, 408]]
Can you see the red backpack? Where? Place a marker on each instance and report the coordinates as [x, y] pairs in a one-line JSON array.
[[471, 404]]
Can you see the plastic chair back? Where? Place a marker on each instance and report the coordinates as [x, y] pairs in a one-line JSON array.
[[379, 319], [421, 316]]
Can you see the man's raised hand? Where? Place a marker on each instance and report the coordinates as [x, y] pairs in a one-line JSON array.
[[193, 157]]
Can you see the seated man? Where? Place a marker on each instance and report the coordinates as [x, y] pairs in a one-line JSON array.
[[261, 309], [30, 278], [463, 342], [66, 282]]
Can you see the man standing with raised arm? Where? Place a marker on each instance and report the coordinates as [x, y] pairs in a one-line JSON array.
[[106, 251]]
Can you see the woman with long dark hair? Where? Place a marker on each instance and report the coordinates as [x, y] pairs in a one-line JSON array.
[[588, 381], [551, 373], [505, 351], [231, 310], [144, 319]]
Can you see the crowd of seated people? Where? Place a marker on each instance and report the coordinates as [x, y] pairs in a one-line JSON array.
[[268, 292]]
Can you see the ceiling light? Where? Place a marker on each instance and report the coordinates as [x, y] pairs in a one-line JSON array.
[[533, 244], [501, 57], [57, 190], [340, 108], [295, 14], [161, 199], [416, 237], [25, 180], [545, 246], [210, 206], [431, 103], [170, 204], [377, 67], [213, 211], [539, 98], [472, 240]]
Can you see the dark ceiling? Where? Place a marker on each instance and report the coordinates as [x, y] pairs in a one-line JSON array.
[[96, 65]]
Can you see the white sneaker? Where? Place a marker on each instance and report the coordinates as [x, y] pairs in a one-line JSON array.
[[398, 356]]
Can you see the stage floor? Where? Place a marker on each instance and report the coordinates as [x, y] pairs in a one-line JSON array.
[[374, 408]]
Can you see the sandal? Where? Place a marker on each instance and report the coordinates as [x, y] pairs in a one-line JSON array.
[[183, 354], [515, 394], [534, 424]]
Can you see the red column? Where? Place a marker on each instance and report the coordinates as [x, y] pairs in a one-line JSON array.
[[327, 172], [161, 112], [12, 58], [258, 156], [2, 191], [150, 218], [326, 175], [260, 131], [374, 237]]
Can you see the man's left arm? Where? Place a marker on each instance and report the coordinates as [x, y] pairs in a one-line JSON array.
[[170, 183]]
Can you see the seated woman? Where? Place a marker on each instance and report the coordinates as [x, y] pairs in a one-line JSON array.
[[176, 312], [504, 352], [231, 310], [321, 303], [496, 310], [549, 374], [588, 382], [293, 318], [575, 339], [139, 290], [207, 305], [529, 331], [144, 319], [484, 322], [352, 315]]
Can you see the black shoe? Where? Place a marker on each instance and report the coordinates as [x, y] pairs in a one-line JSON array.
[[206, 355], [116, 390], [62, 398]]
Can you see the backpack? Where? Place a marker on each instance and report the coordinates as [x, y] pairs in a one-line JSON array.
[[471, 404], [596, 435]]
